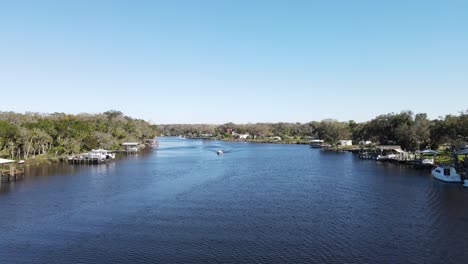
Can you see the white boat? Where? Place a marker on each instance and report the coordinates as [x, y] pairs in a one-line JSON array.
[[427, 161], [447, 174], [219, 152]]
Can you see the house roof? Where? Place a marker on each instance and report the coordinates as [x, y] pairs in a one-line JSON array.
[[130, 144], [388, 147], [428, 151]]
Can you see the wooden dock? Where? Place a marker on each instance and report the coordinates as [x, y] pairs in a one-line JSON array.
[[90, 161], [10, 170], [7, 176]]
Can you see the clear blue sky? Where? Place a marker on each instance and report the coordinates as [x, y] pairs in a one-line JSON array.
[[243, 61]]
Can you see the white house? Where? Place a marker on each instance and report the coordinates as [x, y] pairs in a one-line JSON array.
[[243, 136], [365, 142], [345, 142]]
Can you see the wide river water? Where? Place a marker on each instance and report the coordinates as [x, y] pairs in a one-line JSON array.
[[257, 203]]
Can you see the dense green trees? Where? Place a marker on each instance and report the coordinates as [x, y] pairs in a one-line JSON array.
[[31, 134], [406, 129]]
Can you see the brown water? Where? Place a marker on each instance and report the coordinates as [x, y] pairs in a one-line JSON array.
[[257, 203]]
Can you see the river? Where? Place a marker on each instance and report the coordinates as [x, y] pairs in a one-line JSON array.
[[257, 203]]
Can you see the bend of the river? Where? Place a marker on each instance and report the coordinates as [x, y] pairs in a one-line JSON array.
[[257, 203]]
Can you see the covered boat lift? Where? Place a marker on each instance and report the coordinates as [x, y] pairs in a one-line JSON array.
[[427, 161], [8, 169]]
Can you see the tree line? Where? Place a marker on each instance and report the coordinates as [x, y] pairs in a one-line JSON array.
[[26, 135], [410, 131]]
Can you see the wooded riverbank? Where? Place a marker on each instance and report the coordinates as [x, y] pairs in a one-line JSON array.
[[410, 131], [42, 138]]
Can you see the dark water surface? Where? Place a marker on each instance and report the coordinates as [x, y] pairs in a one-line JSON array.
[[258, 203]]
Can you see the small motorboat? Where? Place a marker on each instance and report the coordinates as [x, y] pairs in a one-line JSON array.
[[446, 174], [219, 152]]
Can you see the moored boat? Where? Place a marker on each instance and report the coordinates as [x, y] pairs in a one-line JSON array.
[[446, 173]]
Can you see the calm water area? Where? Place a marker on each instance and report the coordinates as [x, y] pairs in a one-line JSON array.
[[257, 203]]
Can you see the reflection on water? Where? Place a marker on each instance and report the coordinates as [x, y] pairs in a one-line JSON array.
[[257, 203]]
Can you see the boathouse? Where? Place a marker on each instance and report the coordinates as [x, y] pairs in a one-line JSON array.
[[130, 146], [388, 147], [5, 166], [8, 170], [316, 143]]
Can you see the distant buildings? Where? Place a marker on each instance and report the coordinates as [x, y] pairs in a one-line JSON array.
[[345, 143], [243, 136]]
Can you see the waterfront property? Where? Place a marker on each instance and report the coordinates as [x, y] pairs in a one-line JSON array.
[[427, 156], [316, 143], [95, 156], [243, 136], [130, 147], [152, 143], [345, 143]]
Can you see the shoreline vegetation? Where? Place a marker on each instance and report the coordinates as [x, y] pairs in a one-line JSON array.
[[40, 138], [410, 131], [46, 138]]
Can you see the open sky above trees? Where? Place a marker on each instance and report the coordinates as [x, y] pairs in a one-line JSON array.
[[212, 61]]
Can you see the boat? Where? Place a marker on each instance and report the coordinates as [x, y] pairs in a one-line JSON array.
[[366, 155], [447, 173], [424, 160], [219, 152], [429, 162]]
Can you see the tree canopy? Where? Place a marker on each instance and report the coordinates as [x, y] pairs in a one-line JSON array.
[[411, 131], [30, 134]]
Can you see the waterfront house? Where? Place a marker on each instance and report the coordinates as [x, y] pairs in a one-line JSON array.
[[345, 143], [365, 142], [243, 136]]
